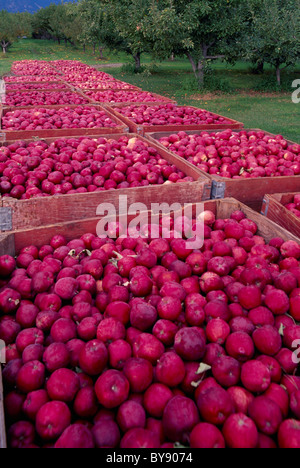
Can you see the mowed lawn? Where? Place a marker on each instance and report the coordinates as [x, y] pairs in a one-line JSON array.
[[271, 111]]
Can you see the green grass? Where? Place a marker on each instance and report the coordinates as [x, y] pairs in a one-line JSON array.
[[274, 112]]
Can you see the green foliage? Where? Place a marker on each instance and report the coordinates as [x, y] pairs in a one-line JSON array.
[[146, 69], [268, 84], [273, 33], [212, 84], [13, 26], [201, 30]]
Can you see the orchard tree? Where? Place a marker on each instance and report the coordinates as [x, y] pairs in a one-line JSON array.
[[126, 18], [23, 24], [40, 24], [72, 25], [274, 35], [94, 23], [13, 26], [59, 21], [202, 30]]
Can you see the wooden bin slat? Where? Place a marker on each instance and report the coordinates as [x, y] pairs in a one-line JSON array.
[[2, 417], [12, 242], [47, 210], [273, 208], [143, 129], [9, 135], [248, 191]]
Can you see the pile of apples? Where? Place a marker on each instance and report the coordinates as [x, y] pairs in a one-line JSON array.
[[145, 342], [40, 98], [71, 165], [169, 114], [88, 85], [29, 86], [93, 76], [56, 118], [27, 79], [294, 206], [72, 66], [33, 67], [243, 154], [123, 96]]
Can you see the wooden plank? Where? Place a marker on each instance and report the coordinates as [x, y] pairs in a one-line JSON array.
[[2, 418], [46, 210], [7, 244], [273, 208], [75, 228], [252, 191]]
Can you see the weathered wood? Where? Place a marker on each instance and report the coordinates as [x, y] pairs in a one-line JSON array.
[[273, 208], [2, 418], [71, 229], [7, 244]]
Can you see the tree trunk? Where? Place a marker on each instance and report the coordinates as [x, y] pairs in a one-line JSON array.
[[191, 59], [101, 51], [278, 75], [198, 69], [84, 48], [4, 46], [137, 60], [200, 72], [94, 49], [58, 40], [260, 66]]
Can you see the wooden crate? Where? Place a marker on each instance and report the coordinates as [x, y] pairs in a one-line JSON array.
[[9, 135], [130, 87], [30, 78], [12, 242], [249, 191], [144, 129], [17, 214], [49, 92], [273, 208], [158, 99], [42, 86]]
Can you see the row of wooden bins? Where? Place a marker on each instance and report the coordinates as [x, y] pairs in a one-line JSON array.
[[35, 221]]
